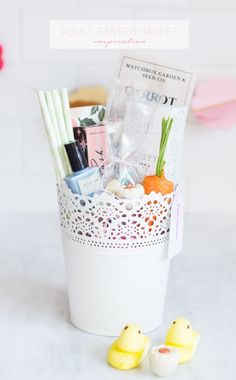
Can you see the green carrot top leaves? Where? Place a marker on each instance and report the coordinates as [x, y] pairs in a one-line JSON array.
[[165, 132], [158, 182]]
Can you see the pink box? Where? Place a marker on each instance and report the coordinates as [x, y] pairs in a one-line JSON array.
[[97, 145]]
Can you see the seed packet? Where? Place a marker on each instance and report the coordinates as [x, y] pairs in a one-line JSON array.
[[134, 129], [168, 84], [136, 107]]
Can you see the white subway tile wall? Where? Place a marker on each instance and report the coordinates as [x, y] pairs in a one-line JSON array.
[[27, 177], [10, 34], [213, 3]]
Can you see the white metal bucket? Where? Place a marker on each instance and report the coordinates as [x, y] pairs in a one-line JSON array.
[[117, 273]]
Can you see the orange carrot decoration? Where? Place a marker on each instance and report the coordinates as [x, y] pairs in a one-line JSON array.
[[158, 182]]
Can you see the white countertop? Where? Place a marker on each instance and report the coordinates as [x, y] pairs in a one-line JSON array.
[[37, 341]]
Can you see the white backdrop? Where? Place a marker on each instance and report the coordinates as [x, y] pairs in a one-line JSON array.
[[27, 178]]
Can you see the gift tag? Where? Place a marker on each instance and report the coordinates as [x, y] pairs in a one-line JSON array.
[[176, 224]]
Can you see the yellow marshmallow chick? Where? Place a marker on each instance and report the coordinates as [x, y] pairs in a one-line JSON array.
[[129, 349], [182, 337]]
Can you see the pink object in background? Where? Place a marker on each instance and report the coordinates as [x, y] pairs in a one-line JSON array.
[[1, 59], [214, 102]]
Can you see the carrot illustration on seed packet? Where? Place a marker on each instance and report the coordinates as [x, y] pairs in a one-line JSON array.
[[157, 182]]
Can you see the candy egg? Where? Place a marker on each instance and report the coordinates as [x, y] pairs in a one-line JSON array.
[[163, 360], [131, 191], [113, 186], [125, 191]]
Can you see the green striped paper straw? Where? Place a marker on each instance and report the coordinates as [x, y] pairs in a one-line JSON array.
[[60, 143], [60, 173], [66, 112], [59, 115]]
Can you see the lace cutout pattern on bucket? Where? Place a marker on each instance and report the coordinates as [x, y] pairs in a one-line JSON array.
[[108, 222]]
